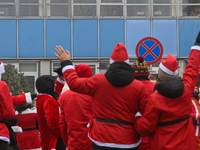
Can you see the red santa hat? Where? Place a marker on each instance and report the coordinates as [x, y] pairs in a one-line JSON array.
[[1, 69], [140, 67], [168, 68], [83, 71], [119, 54]]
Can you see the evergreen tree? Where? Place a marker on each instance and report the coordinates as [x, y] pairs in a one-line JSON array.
[[17, 82]]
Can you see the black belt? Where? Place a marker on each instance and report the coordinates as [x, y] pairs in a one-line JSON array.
[[161, 124], [1, 121], [197, 124], [113, 121], [29, 129]]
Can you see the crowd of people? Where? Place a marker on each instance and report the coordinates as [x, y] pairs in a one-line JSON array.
[[119, 110]]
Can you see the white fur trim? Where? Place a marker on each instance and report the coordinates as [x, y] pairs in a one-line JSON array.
[[196, 47], [65, 88], [138, 114], [28, 98], [67, 67], [197, 112], [114, 145], [3, 138], [61, 81], [36, 149], [112, 61], [2, 70], [166, 70], [17, 129]]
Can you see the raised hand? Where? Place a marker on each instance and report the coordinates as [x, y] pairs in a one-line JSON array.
[[62, 54]]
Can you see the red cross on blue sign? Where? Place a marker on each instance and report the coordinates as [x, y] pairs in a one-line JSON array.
[[150, 49]]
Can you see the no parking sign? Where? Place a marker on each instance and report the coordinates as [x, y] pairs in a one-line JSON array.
[[150, 49]]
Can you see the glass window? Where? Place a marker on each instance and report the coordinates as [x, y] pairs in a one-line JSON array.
[[164, 10], [85, 10], [137, 1], [111, 10], [58, 10], [27, 67], [7, 1], [31, 81], [7, 10], [135, 10], [58, 1], [111, 1], [31, 8], [164, 1], [188, 1], [191, 10], [84, 1]]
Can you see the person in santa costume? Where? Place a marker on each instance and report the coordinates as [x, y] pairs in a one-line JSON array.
[[60, 82], [116, 99], [7, 113], [141, 73], [167, 118], [27, 119], [76, 112], [195, 114], [47, 112]]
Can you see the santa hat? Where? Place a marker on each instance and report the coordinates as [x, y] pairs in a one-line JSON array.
[[140, 67], [168, 68], [1, 69], [83, 71], [119, 54]]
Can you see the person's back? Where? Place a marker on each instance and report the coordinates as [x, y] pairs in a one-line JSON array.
[[114, 102], [168, 112], [47, 112], [27, 120], [76, 112]]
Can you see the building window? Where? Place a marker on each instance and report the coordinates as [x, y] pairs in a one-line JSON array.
[[164, 8], [85, 8], [7, 8], [138, 8], [189, 8], [59, 8], [31, 8], [30, 71], [111, 8]]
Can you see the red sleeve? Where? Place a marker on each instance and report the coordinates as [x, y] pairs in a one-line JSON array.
[[63, 124], [191, 72], [19, 100], [51, 111], [7, 108], [80, 85], [59, 84], [143, 100], [147, 123]]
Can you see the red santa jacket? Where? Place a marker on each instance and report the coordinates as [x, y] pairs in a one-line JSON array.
[[116, 98], [59, 84], [29, 138], [144, 145], [48, 119], [76, 111], [22, 99], [172, 102], [7, 110]]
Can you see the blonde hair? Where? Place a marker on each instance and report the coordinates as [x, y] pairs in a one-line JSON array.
[[157, 81]]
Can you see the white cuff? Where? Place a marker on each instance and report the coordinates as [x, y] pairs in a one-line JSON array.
[[67, 67], [61, 81], [138, 114], [28, 98]]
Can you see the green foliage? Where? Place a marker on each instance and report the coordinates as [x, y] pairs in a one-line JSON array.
[[17, 82]]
